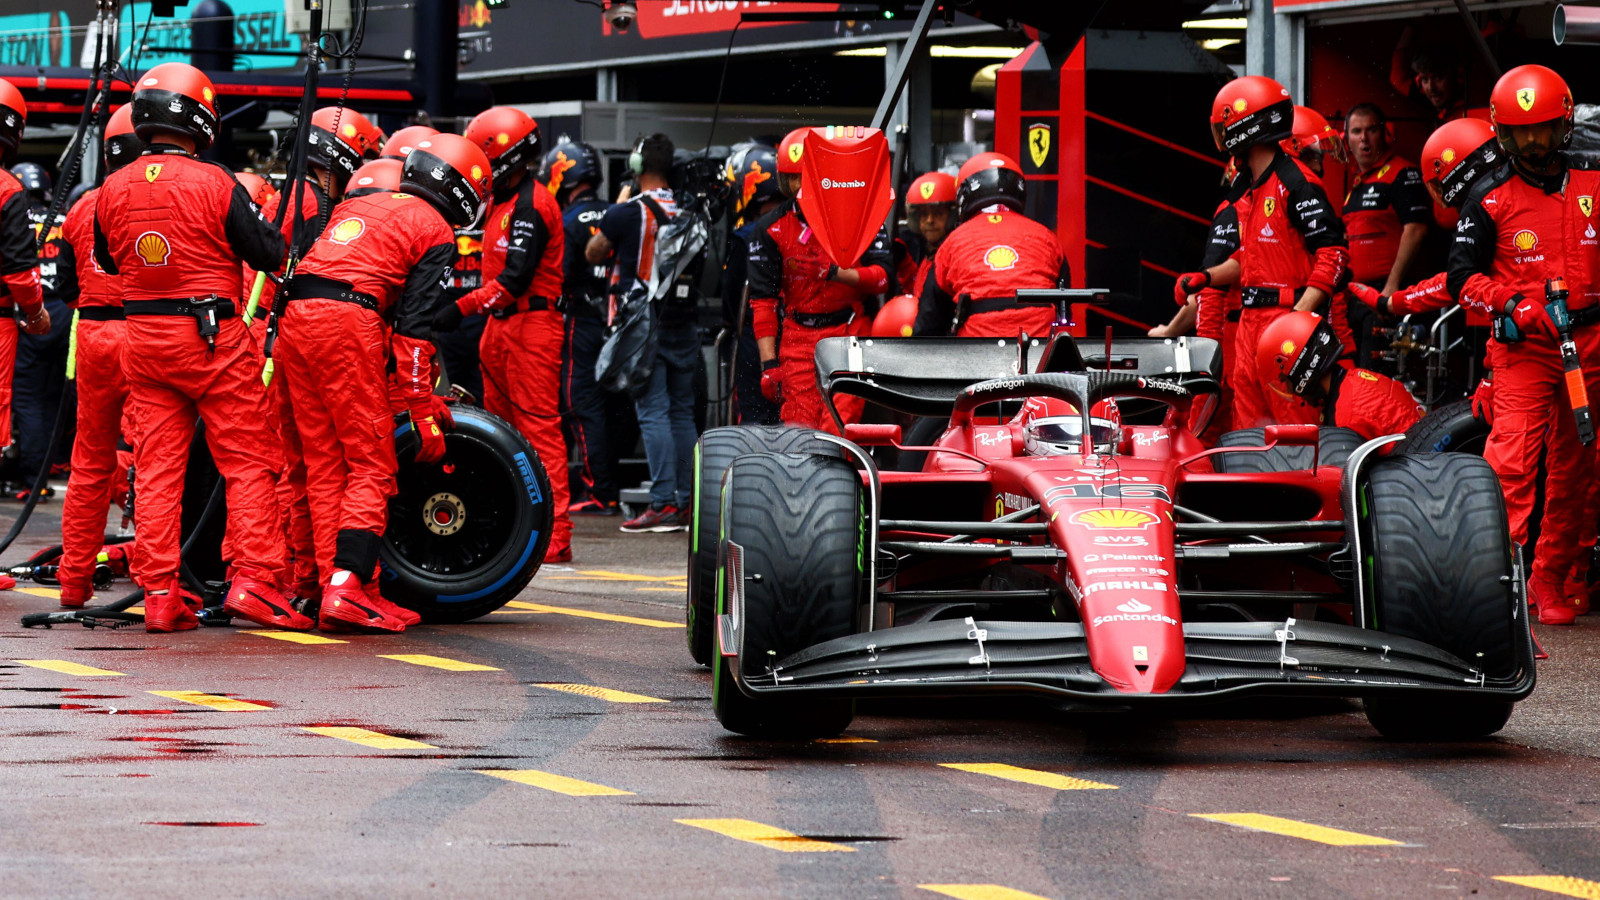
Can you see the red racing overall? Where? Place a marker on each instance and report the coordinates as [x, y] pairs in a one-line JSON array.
[[1381, 202], [177, 228], [373, 279], [520, 351], [1370, 404], [1513, 235], [19, 284], [988, 258], [788, 282]]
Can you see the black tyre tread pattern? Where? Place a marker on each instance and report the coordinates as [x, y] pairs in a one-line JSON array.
[[1446, 430], [1334, 448], [1442, 556], [719, 447], [798, 518]]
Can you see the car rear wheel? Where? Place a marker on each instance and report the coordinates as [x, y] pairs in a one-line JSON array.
[[797, 520], [1334, 447], [1442, 569], [717, 450]]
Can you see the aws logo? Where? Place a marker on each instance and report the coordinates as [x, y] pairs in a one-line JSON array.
[[1001, 257]]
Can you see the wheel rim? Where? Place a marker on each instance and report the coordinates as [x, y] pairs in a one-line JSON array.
[[449, 522]]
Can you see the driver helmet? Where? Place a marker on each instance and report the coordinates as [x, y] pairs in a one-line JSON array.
[[1053, 427]]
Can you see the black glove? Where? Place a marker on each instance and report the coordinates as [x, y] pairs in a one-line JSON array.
[[448, 318]]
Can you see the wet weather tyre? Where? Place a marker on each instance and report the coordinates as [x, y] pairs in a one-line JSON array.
[[1442, 566], [467, 535], [717, 450], [1335, 447], [1451, 428], [797, 520]]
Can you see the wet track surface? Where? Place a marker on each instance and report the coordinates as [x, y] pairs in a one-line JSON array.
[[566, 747]]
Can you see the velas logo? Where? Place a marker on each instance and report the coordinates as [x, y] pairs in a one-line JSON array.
[[152, 172], [152, 248], [1113, 518], [347, 230], [1000, 257], [926, 189], [1586, 205], [1525, 240], [1525, 98], [829, 184]]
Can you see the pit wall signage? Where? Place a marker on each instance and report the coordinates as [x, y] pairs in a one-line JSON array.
[[52, 33]]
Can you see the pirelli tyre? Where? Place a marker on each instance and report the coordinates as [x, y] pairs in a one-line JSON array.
[[1334, 447], [717, 450], [793, 527], [467, 535], [1442, 573], [1451, 428]]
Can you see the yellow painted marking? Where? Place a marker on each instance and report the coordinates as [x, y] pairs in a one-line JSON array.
[[845, 739], [764, 835], [1031, 776], [590, 614], [979, 892], [589, 690], [136, 610], [52, 593], [1303, 830], [438, 662], [293, 637], [66, 668], [375, 739], [666, 590], [1556, 884], [561, 784], [225, 704], [602, 575]]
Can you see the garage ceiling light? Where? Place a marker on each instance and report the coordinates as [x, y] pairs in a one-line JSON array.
[[1215, 23]]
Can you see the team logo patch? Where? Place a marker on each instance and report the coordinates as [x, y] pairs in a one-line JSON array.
[[505, 221], [1000, 257], [206, 93], [795, 149], [152, 172], [1364, 375], [1113, 518], [347, 230], [996, 218], [1269, 206], [477, 173], [1240, 105], [1039, 143], [558, 171], [502, 139], [153, 248], [1287, 348], [926, 189], [1449, 155], [349, 131], [756, 175], [1525, 99], [1586, 205], [1525, 240]]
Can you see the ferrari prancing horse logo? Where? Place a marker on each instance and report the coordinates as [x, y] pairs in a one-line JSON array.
[[152, 172], [1586, 205], [1039, 144], [1525, 99]]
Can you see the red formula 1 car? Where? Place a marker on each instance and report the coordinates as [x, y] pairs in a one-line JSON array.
[[1135, 568]]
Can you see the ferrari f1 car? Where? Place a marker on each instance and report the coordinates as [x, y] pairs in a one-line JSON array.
[[1127, 566]]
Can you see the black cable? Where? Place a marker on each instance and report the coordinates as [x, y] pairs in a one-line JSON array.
[[716, 110]]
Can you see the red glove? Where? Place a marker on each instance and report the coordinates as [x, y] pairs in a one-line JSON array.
[[771, 381], [491, 296], [1530, 316], [1483, 400], [1191, 283], [1367, 294], [440, 410], [432, 436], [413, 370]]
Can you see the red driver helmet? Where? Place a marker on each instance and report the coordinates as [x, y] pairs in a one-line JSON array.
[[336, 142], [375, 177], [175, 98], [403, 141], [1311, 138], [1250, 111], [1053, 427], [1531, 95], [121, 144], [986, 180], [453, 173], [259, 188], [1296, 350], [1455, 155], [508, 137], [896, 317], [13, 117]]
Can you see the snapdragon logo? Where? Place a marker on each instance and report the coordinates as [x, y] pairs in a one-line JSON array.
[[1134, 611], [829, 184]]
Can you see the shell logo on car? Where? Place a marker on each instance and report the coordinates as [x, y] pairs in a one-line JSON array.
[[1113, 518], [1000, 257], [347, 231]]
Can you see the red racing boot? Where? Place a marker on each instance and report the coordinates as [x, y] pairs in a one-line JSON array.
[[558, 553], [261, 603], [1552, 602], [168, 610], [75, 597], [347, 607], [375, 596]]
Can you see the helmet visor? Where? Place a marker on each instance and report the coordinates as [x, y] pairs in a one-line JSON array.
[[1059, 435]]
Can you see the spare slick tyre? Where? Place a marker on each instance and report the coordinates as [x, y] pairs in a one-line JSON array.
[[465, 535]]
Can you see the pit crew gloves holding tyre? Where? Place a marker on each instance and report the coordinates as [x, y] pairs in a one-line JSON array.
[[1521, 225], [371, 282], [1298, 358], [102, 386], [177, 228]]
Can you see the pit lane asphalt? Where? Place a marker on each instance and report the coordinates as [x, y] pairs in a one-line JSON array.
[[431, 782]]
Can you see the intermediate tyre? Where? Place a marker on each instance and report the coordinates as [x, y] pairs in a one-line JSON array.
[[1451, 428], [717, 449], [467, 535], [1334, 448], [1441, 564], [797, 519]]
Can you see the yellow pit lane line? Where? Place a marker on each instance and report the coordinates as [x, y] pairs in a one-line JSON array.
[[519, 606], [374, 739], [223, 704], [1303, 830], [560, 784], [980, 892], [599, 693], [602, 575], [68, 668], [1031, 776], [1556, 884], [293, 637], [845, 739], [438, 662], [52, 593], [765, 836]]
